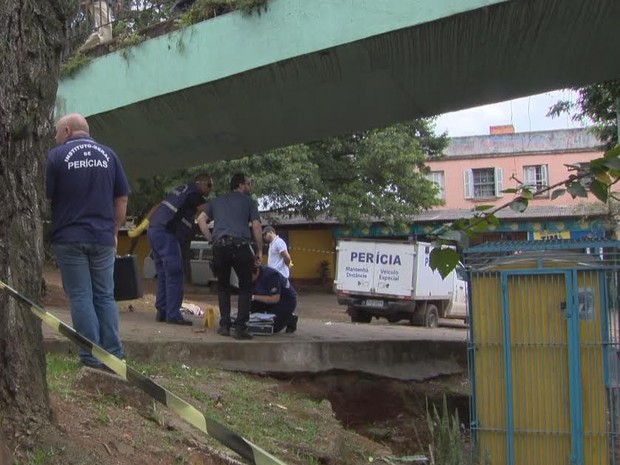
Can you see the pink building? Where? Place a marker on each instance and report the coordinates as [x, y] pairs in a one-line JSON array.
[[476, 169]]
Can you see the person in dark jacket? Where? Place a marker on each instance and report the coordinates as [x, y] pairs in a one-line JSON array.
[[171, 223], [273, 293]]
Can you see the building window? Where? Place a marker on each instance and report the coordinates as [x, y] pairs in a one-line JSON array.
[[438, 178], [483, 183], [536, 178]]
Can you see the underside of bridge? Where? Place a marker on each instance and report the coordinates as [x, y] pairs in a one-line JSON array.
[[163, 107]]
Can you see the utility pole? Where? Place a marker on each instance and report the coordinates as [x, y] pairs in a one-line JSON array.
[[618, 119], [613, 205]]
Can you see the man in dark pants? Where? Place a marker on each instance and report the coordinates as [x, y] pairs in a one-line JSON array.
[[236, 221], [170, 223], [273, 293]]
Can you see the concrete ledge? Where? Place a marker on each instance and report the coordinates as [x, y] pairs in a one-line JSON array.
[[414, 360]]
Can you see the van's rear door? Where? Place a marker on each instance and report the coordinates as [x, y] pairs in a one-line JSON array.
[[394, 269], [354, 273], [378, 268]]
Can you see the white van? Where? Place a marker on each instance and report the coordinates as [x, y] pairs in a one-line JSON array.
[[394, 280], [201, 265]]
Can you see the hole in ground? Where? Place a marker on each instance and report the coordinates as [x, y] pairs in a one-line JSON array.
[[389, 411]]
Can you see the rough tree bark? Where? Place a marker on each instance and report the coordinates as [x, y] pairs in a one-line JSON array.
[[32, 34]]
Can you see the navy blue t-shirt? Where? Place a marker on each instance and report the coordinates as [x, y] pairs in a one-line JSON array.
[[232, 213], [83, 178], [272, 282]]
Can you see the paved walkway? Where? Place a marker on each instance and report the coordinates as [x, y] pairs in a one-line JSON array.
[[320, 344]]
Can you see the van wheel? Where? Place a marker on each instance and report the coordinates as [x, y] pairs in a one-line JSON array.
[[426, 315], [358, 316], [431, 316]]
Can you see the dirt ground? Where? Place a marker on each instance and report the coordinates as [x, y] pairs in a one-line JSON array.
[[86, 432]]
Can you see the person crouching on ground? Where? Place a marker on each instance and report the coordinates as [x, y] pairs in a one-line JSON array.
[[274, 294]]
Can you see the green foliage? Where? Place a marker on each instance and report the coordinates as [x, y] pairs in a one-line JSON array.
[[447, 446], [202, 10], [127, 40], [378, 174], [141, 19], [250, 6], [356, 178], [597, 103], [324, 271], [444, 261], [39, 457], [73, 64], [148, 192]]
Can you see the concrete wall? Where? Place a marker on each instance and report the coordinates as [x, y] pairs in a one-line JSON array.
[[558, 141]]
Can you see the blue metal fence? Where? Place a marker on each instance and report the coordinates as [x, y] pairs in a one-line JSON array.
[[543, 349]]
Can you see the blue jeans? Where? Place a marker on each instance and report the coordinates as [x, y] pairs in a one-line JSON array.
[[169, 269], [87, 271]]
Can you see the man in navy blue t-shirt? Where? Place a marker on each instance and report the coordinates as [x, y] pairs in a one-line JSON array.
[[273, 293], [88, 190]]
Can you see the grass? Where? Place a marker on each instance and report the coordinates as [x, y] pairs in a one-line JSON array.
[[288, 425], [38, 457], [61, 375], [447, 444]]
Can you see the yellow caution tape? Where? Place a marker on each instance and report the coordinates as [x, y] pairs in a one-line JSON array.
[[251, 452], [304, 249]]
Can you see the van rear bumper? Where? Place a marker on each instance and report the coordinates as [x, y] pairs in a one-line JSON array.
[[371, 305]]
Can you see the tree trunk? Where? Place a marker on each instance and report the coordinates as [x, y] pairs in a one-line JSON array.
[[32, 34]]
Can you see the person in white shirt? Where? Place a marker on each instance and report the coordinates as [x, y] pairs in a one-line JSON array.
[[278, 257]]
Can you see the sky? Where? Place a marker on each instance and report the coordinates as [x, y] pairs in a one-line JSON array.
[[526, 114]]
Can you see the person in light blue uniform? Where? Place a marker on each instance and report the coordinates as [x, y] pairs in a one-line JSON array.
[[170, 224], [88, 190]]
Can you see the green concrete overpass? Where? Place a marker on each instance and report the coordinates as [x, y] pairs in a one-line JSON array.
[[303, 70]]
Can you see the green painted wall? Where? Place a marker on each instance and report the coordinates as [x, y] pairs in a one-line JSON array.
[[235, 43], [305, 70]]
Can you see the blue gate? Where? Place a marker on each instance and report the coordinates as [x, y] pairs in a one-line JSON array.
[[543, 350]]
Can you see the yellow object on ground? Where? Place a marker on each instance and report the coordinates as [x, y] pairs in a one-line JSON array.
[[210, 320]]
